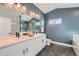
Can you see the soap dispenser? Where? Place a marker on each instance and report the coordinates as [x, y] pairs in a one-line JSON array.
[[17, 34]]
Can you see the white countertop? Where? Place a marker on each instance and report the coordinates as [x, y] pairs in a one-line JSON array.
[[8, 40]]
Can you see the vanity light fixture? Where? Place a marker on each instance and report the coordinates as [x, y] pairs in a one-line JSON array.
[[10, 5], [38, 16], [31, 13], [34, 15], [21, 8], [16, 6], [24, 9]]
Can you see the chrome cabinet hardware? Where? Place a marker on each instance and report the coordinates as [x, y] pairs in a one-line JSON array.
[[23, 51], [43, 40], [26, 50]]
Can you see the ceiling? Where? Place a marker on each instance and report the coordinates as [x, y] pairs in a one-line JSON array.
[[47, 7]]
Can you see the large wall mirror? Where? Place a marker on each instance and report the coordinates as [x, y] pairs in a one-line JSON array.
[[28, 23], [8, 22], [8, 26], [13, 20]]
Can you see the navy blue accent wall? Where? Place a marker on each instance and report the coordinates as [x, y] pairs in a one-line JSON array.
[[70, 24]]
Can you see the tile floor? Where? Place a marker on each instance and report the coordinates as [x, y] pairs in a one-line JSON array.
[[57, 50]]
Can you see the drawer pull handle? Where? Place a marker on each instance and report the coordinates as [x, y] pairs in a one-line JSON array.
[[26, 50], [23, 52], [42, 40]]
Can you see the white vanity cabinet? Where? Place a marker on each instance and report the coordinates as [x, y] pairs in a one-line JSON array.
[[26, 48], [76, 43], [12, 50]]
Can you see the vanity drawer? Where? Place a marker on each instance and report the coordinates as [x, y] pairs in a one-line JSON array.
[[13, 50]]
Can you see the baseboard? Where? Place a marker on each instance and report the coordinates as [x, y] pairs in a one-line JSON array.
[[59, 43]]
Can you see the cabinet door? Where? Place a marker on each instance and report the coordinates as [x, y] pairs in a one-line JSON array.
[[32, 46], [42, 42], [13, 50], [35, 45]]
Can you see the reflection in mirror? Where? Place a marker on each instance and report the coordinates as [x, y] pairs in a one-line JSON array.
[[8, 26], [29, 24], [9, 21], [24, 22], [5, 26]]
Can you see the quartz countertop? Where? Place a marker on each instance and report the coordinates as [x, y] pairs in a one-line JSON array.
[[12, 39]]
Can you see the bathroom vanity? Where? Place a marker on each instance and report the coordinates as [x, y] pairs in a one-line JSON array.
[[23, 46], [76, 43]]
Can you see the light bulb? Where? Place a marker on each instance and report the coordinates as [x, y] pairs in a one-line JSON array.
[[36, 14], [11, 3], [18, 5], [24, 8], [33, 13]]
